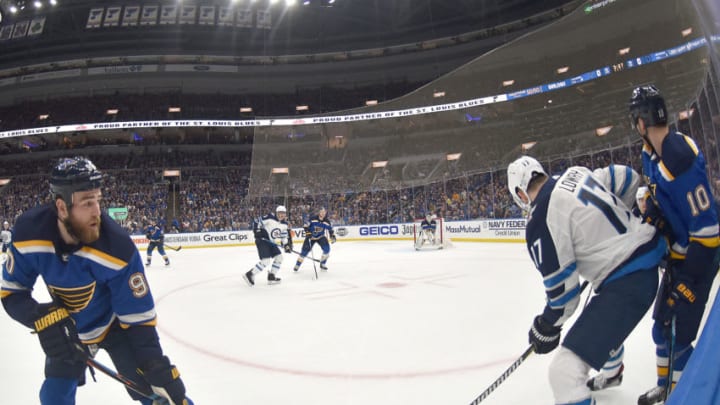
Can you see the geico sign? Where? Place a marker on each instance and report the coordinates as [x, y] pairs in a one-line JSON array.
[[379, 230], [220, 238]]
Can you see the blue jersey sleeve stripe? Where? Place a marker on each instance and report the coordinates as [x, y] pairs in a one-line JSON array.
[[557, 278], [628, 180], [711, 242], [612, 178], [691, 144], [665, 172], [563, 300]]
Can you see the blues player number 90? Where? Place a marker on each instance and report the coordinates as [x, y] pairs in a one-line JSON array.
[[138, 285]]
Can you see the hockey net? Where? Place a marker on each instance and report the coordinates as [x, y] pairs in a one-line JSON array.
[[424, 240]]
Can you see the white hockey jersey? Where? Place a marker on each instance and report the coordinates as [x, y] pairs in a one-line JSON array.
[[6, 236], [577, 228], [269, 227]]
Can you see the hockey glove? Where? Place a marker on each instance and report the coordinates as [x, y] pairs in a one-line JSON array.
[[333, 239], [287, 248], [58, 335], [543, 336], [164, 378], [680, 298], [654, 216]]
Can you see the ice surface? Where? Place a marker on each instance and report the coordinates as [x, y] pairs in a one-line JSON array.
[[385, 325]]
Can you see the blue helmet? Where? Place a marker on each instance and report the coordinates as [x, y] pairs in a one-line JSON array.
[[71, 175], [647, 103]]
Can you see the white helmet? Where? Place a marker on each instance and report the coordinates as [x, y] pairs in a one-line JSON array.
[[281, 208], [641, 193], [519, 174]]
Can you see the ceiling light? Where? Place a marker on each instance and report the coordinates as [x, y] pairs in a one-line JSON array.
[[527, 146], [563, 69], [301, 108], [439, 94], [686, 32], [508, 83], [380, 163], [685, 114], [624, 51], [602, 131]]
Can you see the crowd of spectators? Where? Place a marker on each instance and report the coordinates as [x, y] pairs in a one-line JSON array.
[[213, 193]]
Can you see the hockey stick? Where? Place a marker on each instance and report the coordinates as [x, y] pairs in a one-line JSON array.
[[128, 383], [292, 250], [671, 356], [530, 350], [312, 256], [177, 249]]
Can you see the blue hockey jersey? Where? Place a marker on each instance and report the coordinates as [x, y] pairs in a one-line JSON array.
[[317, 227], [679, 185], [98, 283]]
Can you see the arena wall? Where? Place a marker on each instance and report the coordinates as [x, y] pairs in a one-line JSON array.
[[492, 230]]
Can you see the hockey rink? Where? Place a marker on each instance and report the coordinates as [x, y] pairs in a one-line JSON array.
[[385, 325]]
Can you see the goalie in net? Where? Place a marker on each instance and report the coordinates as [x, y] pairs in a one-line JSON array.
[[430, 233]]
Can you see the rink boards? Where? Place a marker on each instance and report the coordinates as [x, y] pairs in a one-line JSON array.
[[489, 230]]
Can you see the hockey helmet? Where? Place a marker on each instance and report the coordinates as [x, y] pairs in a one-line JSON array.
[[280, 208], [647, 103], [520, 173], [71, 175], [641, 193]]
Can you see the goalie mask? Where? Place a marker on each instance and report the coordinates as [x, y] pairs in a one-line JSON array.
[[520, 173]]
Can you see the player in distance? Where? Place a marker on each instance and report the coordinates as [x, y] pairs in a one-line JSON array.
[[270, 231], [428, 228], [315, 232], [156, 238]]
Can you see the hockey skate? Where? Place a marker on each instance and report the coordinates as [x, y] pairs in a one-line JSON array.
[[249, 278], [147, 263], [601, 381], [323, 267], [167, 263], [273, 279], [655, 395]]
